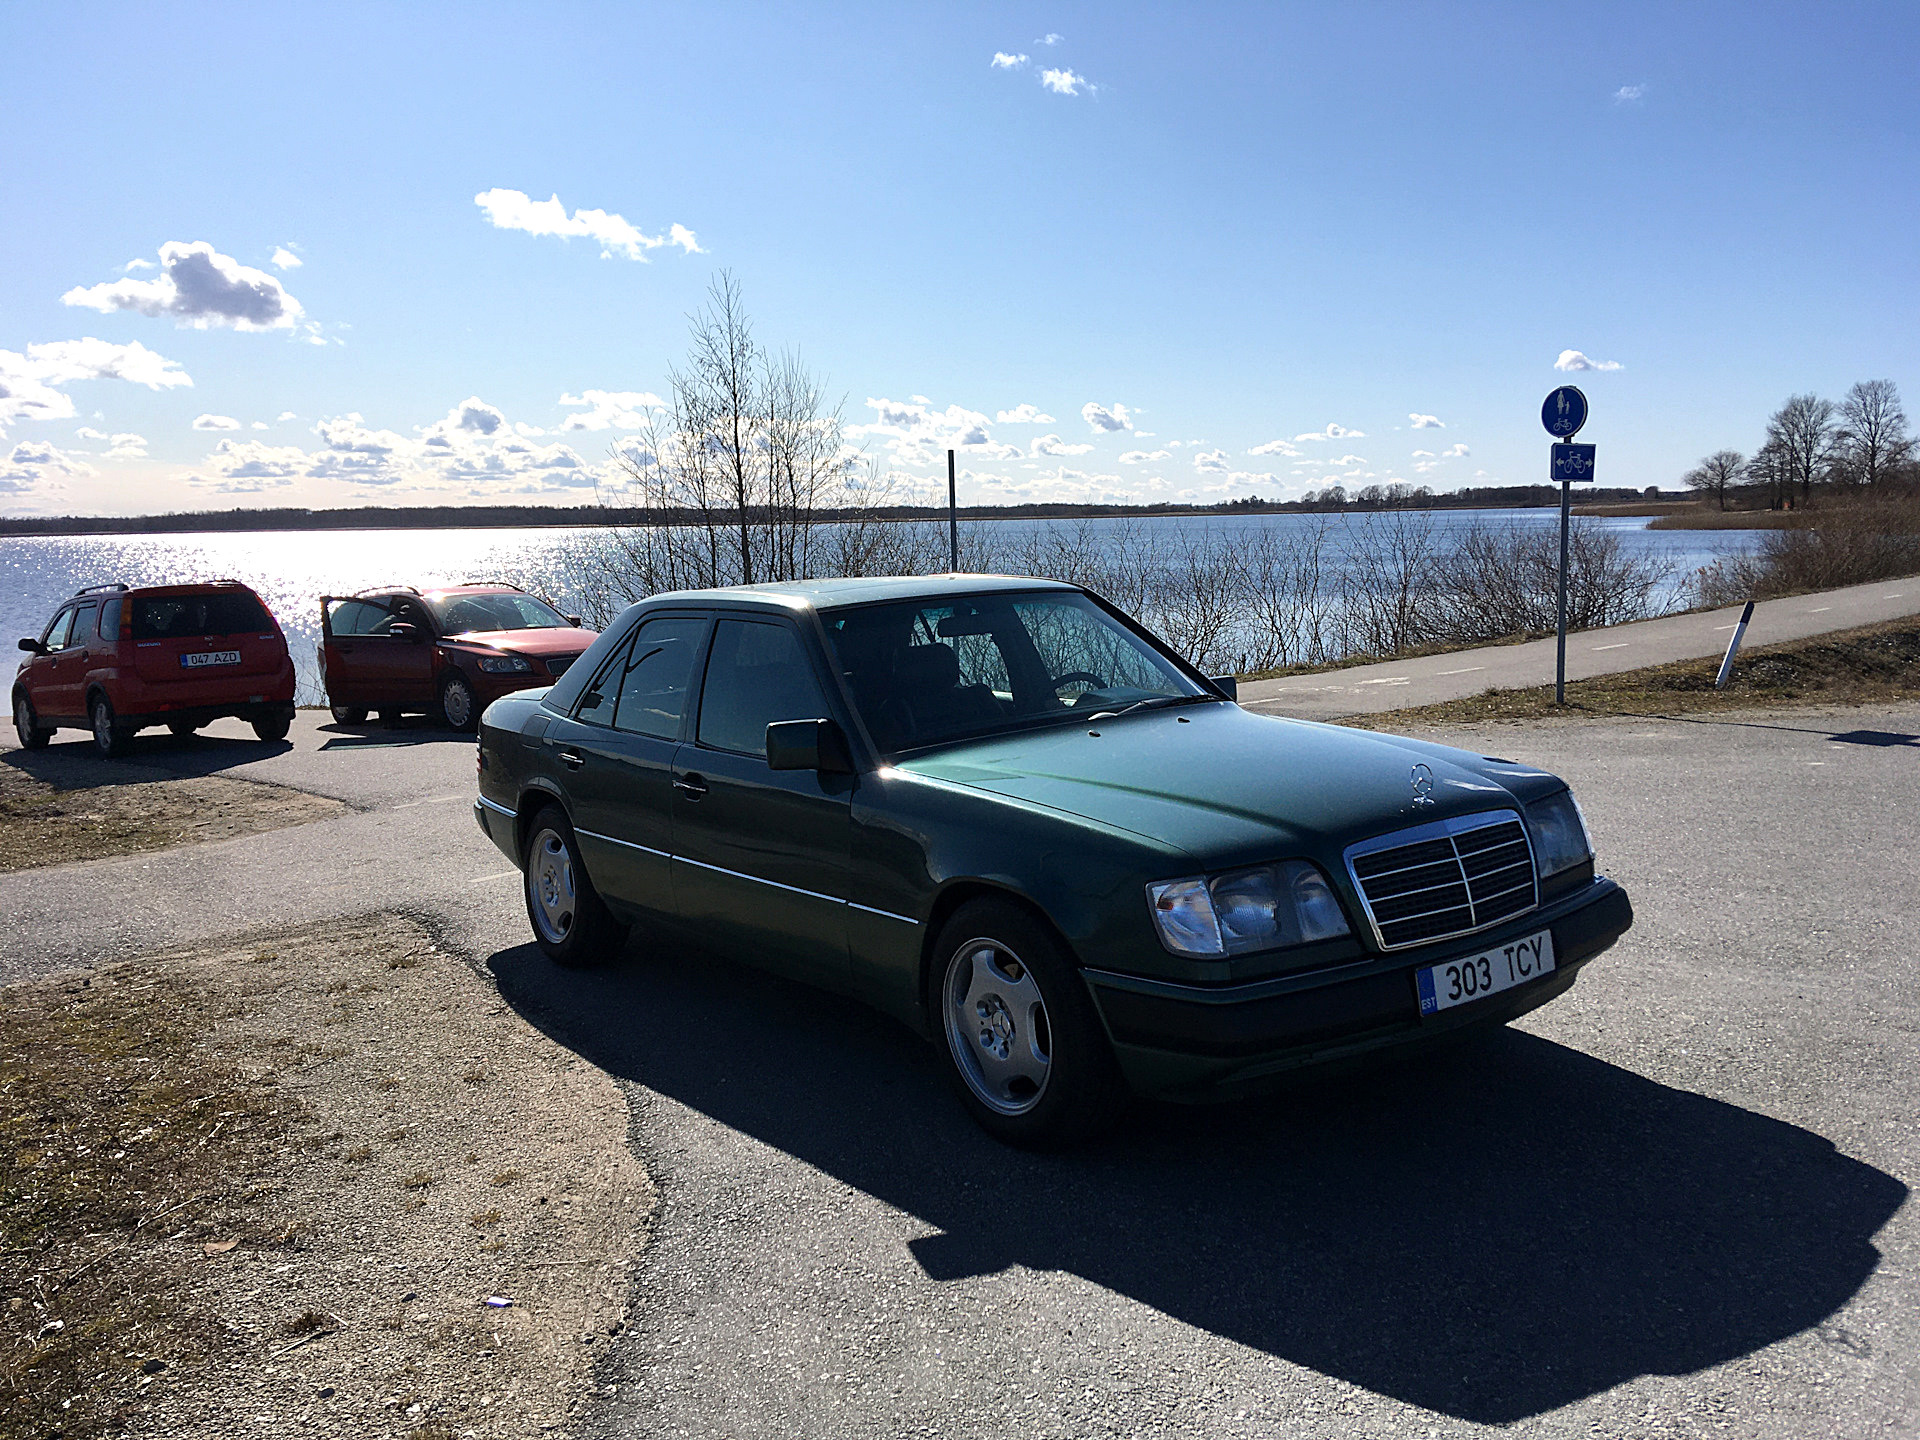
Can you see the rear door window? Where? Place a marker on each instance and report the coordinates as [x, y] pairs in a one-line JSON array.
[[658, 672], [757, 674], [83, 622], [174, 617]]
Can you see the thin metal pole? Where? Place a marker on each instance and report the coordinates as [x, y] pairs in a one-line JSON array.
[[1560, 665], [1733, 648], [953, 521]]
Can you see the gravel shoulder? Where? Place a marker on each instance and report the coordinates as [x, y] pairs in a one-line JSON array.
[[57, 807], [398, 1149]]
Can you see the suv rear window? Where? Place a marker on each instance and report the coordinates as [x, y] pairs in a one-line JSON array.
[[168, 617]]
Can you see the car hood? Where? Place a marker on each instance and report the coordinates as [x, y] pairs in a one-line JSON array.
[[1223, 783], [560, 640]]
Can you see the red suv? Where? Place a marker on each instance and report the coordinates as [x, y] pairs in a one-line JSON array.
[[115, 660], [448, 652]]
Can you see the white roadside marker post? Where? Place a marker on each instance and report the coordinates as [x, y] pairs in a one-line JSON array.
[[1733, 648]]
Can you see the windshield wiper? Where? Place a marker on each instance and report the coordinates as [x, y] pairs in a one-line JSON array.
[[1158, 702]]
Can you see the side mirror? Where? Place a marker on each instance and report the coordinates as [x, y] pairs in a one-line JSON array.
[[33, 646], [1227, 685], [573, 620], [403, 630], [808, 745]]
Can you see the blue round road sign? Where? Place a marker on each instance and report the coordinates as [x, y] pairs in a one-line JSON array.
[[1564, 412]]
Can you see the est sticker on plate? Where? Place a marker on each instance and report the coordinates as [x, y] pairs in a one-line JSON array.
[[1473, 977]]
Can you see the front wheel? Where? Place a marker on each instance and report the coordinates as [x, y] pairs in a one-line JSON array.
[[33, 736], [571, 924], [182, 728], [457, 704], [349, 714], [110, 737], [1024, 1047], [273, 727]]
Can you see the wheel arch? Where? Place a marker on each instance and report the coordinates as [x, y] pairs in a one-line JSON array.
[[951, 897], [535, 798]]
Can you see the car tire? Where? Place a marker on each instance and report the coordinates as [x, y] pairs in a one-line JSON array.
[[571, 924], [273, 727], [1024, 1047], [33, 735], [110, 737], [182, 728], [349, 714], [459, 706]]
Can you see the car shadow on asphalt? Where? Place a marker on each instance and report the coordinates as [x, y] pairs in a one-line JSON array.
[[77, 765], [1491, 1232]]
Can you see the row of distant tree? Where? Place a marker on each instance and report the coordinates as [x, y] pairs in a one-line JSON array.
[[1859, 445]]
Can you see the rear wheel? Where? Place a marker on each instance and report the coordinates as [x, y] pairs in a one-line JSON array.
[[182, 728], [1024, 1047], [571, 924], [458, 707], [110, 737], [273, 727], [33, 736], [349, 714]]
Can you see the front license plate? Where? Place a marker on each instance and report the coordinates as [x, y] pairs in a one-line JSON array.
[[1472, 977], [210, 657]]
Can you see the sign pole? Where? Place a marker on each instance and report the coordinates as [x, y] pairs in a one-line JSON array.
[[953, 522], [1564, 412], [1560, 665]]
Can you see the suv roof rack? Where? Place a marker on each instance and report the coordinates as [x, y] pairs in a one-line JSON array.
[[376, 589], [503, 584], [96, 589]]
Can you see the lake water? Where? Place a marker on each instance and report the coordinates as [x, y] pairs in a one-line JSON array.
[[292, 569]]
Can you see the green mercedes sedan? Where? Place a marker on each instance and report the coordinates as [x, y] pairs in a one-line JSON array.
[[1004, 812]]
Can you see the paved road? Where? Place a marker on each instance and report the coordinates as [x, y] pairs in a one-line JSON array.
[[1368, 689], [1674, 1202]]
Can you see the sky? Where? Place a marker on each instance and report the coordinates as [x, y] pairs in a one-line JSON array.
[[434, 254]]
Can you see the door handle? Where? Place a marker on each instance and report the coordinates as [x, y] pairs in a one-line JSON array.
[[572, 758], [691, 786]]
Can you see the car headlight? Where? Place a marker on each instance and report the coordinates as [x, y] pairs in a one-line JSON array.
[[506, 665], [1263, 908], [1559, 831]]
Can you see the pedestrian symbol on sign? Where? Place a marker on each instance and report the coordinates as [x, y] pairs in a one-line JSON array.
[[1564, 412]]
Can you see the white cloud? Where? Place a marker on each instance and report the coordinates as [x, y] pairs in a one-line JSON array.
[[259, 425], [1003, 61], [1426, 422], [1065, 82], [31, 383], [285, 259], [1454, 452], [1101, 418], [1423, 455], [284, 416], [610, 409], [1212, 462], [128, 447], [1050, 39], [1333, 432], [1574, 360], [1349, 460], [915, 432], [1054, 445], [514, 210], [1023, 415], [215, 422], [35, 461], [1144, 457], [86, 432], [198, 287], [1627, 94], [1276, 447]]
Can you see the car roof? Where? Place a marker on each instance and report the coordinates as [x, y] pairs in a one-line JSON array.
[[180, 587], [832, 594]]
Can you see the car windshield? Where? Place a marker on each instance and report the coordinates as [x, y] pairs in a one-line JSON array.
[[464, 614], [925, 672]]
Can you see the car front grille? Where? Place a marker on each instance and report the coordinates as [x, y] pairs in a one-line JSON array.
[[557, 664], [1451, 877]]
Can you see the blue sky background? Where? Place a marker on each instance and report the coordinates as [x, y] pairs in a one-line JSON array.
[[1258, 221]]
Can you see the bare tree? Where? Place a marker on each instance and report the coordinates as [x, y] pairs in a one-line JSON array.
[[1716, 475], [1872, 442], [1803, 431]]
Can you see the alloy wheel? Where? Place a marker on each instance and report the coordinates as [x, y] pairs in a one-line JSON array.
[[997, 1026], [550, 885]]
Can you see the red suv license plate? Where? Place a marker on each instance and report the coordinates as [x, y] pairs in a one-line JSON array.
[[210, 657]]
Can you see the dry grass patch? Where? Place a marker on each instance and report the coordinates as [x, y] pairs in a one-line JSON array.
[[1874, 664], [57, 807]]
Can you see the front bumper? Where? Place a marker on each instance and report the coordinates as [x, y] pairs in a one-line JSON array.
[[1188, 1041]]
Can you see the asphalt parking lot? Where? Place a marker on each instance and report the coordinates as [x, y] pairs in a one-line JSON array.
[[1675, 1202]]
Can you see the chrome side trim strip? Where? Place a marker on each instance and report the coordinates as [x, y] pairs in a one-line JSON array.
[[884, 914], [738, 875], [497, 807], [616, 840]]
